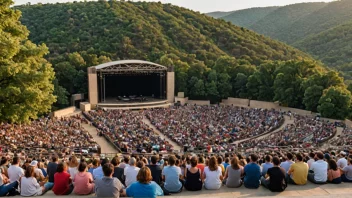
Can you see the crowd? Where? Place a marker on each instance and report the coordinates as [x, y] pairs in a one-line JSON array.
[[306, 131], [127, 131], [157, 175], [215, 128], [345, 139], [46, 134]]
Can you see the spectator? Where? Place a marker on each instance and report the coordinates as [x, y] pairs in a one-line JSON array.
[[73, 167], [266, 165], [98, 172], [131, 172], [275, 178], [201, 164], [311, 159], [252, 173], [15, 171], [29, 184], [124, 164], [234, 173], [37, 172], [118, 172], [286, 164], [155, 169], [212, 175], [226, 162], [62, 180], [342, 162], [7, 188], [108, 186], [298, 171], [51, 170], [347, 171], [172, 176], [42, 168], [318, 170], [221, 165], [193, 176], [95, 164], [334, 174], [144, 187], [83, 181], [3, 166]]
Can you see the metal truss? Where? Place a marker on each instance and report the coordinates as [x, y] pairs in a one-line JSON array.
[[133, 68]]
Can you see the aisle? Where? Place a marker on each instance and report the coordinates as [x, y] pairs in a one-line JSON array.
[[176, 146], [104, 144]]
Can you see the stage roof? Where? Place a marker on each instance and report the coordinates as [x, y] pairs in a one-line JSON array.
[[133, 66]]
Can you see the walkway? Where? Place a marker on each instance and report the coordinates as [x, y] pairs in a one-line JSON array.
[[176, 146], [286, 122], [105, 145]]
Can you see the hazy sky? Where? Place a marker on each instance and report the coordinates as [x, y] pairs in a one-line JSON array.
[[206, 5]]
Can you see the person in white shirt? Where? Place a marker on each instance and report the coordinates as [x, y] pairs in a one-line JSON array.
[[15, 171], [212, 175], [318, 172], [311, 159], [38, 174], [342, 162], [29, 184], [131, 172]]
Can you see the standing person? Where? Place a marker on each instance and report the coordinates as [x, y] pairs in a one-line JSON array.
[[62, 180], [51, 170], [131, 172], [73, 167], [334, 174], [212, 175], [29, 184], [318, 173], [266, 165], [144, 187], [108, 186], [234, 173], [118, 172], [193, 176], [15, 171], [155, 169], [252, 173], [83, 181], [347, 172], [342, 162], [298, 171], [98, 172], [171, 176], [275, 177]]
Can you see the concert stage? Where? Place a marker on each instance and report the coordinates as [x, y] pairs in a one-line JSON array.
[[112, 103]]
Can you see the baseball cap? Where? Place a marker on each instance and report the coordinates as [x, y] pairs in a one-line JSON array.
[[34, 163]]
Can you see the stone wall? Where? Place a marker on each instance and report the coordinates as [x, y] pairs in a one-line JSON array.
[[64, 112], [348, 123], [92, 86], [85, 106], [170, 87], [182, 100], [236, 102], [199, 102], [264, 105]]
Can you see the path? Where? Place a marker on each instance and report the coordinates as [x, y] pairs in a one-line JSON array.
[[176, 146], [105, 145], [337, 135], [286, 122]]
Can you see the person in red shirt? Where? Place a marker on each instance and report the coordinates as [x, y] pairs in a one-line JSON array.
[[62, 181]]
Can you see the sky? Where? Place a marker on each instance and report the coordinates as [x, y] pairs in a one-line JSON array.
[[204, 6]]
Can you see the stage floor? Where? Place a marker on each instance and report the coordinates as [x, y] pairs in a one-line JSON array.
[[113, 103]]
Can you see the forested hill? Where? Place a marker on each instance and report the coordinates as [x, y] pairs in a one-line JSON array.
[[219, 14]]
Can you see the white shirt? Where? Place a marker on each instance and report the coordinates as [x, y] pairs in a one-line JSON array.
[[73, 171], [310, 161], [30, 187], [15, 172], [130, 173], [320, 169], [212, 180], [342, 163]]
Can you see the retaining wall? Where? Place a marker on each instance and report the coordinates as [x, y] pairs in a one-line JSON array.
[[64, 112]]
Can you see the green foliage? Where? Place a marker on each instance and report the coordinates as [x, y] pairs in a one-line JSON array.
[[335, 103], [26, 88]]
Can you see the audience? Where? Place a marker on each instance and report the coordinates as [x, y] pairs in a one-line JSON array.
[[266, 165], [275, 177], [155, 169], [98, 172], [108, 186], [347, 171], [212, 175], [172, 176], [252, 173], [118, 172], [29, 184], [233, 174], [298, 171], [131, 172], [51, 170], [15, 172], [144, 187], [193, 176], [62, 180], [318, 170], [334, 174], [83, 181], [7, 188]]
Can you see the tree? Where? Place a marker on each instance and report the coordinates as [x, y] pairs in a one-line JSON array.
[[224, 85], [26, 87], [335, 103], [312, 96], [61, 95], [239, 86], [212, 91]]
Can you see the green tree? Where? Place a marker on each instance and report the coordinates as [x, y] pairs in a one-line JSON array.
[[224, 85], [239, 86], [311, 97], [335, 103], [26, 87], [212, 91], [61, 95]]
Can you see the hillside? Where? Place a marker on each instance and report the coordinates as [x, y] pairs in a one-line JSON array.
[[218, 14], [248, 17], [323, 46]]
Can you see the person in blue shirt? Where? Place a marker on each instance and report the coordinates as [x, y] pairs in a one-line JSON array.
[[98, 172], [266, 165], [226, 163], [144, 186], [252, 173], [95, 164]]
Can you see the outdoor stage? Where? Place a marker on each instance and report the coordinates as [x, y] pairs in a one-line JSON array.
[[113, 103]]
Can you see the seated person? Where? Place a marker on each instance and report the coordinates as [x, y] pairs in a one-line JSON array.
[[6, 187], [108, 186], [144, 186], [266, 165], [275, 178], [83, 181], [172, 176], [252, 173], [234, 173], [193, 176], [347, 172], [334, 174], [298, 171], [212, 175], [318, 170], [62, 181], [155, 169], [29, 184]]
